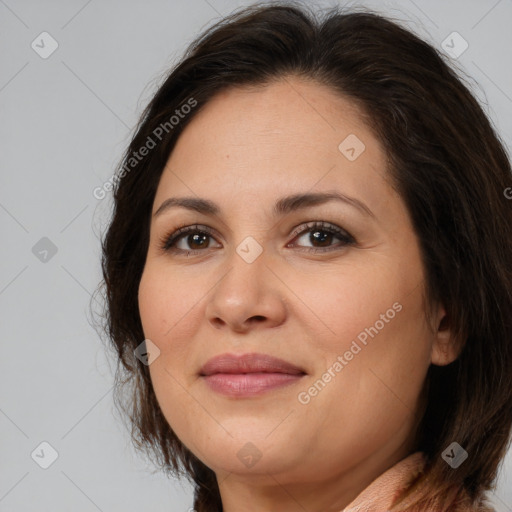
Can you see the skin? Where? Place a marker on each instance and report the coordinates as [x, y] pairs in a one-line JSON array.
[[246, 149]]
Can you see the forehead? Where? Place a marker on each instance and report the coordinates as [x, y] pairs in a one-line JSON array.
[[288, 136]]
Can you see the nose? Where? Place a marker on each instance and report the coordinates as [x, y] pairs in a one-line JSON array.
[[248, 296]]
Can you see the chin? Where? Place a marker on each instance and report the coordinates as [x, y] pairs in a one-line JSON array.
[[251, 459], [248, 452]]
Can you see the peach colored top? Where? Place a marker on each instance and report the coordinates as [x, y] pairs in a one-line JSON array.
[[385, 489]]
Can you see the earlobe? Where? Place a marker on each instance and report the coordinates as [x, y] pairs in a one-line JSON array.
[[444, 347]]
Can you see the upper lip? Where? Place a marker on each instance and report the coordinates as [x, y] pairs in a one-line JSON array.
[[248, 363]]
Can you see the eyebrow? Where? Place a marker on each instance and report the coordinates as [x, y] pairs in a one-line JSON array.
[[282, 206]]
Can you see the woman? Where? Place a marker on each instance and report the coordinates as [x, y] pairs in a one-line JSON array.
[[308, 271]]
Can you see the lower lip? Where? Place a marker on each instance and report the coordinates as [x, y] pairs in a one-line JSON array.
[[249, 384]]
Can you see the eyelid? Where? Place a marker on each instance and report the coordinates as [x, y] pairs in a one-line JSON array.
[[304, 227]]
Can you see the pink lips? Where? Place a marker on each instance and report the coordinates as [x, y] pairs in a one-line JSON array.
[[248, 374]]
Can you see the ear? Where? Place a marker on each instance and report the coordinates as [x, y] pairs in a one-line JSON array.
[[445, 348]]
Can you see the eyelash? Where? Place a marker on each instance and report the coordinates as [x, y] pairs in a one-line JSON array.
[[167, 243]]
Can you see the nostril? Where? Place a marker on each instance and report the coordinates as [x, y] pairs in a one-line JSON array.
[[258, 317]]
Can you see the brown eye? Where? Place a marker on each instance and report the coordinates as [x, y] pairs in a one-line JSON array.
[[321, 235], [193, 239]]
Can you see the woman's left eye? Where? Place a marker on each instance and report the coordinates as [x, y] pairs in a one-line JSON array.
[[321, 233]]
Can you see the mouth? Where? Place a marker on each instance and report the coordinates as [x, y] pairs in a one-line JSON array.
[[248, 374]]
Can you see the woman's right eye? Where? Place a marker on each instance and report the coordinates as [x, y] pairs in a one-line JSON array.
[[191, 235]]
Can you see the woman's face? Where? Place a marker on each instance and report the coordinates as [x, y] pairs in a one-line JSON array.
[[340, 302]]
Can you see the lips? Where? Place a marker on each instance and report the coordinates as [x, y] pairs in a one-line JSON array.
[[248, 363], [248, 375]]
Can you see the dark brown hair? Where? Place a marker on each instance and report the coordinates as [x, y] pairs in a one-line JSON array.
[[447, 163]]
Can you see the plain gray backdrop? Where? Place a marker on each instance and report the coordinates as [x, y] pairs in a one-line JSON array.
[[65, 119]]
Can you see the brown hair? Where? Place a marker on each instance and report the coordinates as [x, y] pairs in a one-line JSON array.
[[448, 165]]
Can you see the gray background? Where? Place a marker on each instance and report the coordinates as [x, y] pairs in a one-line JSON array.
[[64, 122]]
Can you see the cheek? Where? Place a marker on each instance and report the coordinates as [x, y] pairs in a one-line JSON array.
[[151, 298], [166, 305], [354, 303], [157, 303], [166, 309], [169, 306], [382, 353], [373, 319]]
